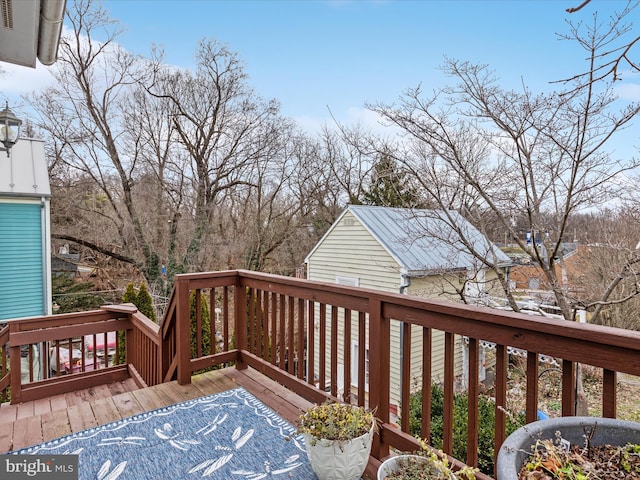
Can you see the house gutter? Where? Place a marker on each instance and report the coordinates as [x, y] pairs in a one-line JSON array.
[[46, 292], [405, 282], [45, 279], [50, 30]]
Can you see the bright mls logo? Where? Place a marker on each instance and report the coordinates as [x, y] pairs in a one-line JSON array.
[[51, 467]]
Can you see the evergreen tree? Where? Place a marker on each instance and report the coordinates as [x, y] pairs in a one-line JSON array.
[[144, 302], [388, 186], [205, 326], [130, 295]]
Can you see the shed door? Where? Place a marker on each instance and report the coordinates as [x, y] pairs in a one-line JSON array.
[[21, 288]]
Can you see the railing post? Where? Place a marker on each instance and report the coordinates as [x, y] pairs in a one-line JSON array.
[[379, 352], [240, 321], [609, 384], [183, 331], [131, 355], [532, 387], [14, 362], [502, 365], [568, 388], [449, 373]]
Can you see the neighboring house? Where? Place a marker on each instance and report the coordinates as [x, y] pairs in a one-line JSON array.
[[407, 251], [65, 264], [25, 231], [527, 276]]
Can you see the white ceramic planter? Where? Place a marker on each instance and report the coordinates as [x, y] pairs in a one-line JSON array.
[[391, 465], [332, 460]]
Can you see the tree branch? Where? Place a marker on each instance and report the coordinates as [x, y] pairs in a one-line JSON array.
[[96, 248], [579, 7]]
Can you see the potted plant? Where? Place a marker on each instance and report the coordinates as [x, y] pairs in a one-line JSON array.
[[338, 439], [423, 465], [556, 446]]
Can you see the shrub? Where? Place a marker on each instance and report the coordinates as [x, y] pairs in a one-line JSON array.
[[205, 317], [144, 303], [486, 414], [72, 296]]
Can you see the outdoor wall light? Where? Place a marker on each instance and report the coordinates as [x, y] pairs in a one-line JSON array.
[[9, 128]]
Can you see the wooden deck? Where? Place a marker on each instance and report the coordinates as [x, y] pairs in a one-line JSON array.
[[31, 423]]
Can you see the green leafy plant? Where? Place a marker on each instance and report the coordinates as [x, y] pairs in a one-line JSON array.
[[74, 296], [144, 302], [486, 422], [336, 421]]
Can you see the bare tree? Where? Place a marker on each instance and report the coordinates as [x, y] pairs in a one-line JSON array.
[[613, 295], [611, 51], [229, 134], [491, 153], [83, 113], [163, 150]]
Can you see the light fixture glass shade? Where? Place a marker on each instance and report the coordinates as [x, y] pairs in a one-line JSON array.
[[9, 128]]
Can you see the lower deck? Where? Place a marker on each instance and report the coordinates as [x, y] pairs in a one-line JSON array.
[[30, 423]]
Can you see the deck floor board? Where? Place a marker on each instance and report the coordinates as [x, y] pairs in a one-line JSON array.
[[55, 424], [127, 405], [105, 411], [6, 436], [41, 406], [81, 417], [149, 399], [28, 431]]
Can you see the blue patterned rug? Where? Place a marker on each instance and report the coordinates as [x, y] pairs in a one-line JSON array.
[[230, 435]]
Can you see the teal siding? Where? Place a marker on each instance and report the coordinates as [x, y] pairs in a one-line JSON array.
[[21, 288]]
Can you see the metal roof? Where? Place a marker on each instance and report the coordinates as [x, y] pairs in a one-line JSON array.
[[24, 172], [423, 241]]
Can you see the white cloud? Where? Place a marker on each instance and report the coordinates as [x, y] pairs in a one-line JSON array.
[[364, 119], [628, 91], [18, 81]]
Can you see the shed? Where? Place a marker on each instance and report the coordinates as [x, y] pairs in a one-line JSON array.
[[418, 252], [406, 250], [25, 238]]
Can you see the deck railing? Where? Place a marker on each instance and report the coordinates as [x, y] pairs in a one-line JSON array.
[[295, 332], [44, 356], [301, 333]]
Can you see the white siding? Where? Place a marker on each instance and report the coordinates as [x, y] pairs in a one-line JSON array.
[[350, 251]]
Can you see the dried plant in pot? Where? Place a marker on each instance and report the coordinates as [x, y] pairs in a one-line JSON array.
[[338, 439], [572, 447], [422, 465]]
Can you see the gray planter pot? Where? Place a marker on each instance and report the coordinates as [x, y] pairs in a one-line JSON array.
[[516, 448]]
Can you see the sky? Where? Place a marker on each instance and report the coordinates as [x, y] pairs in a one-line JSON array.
[[324, 58]]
